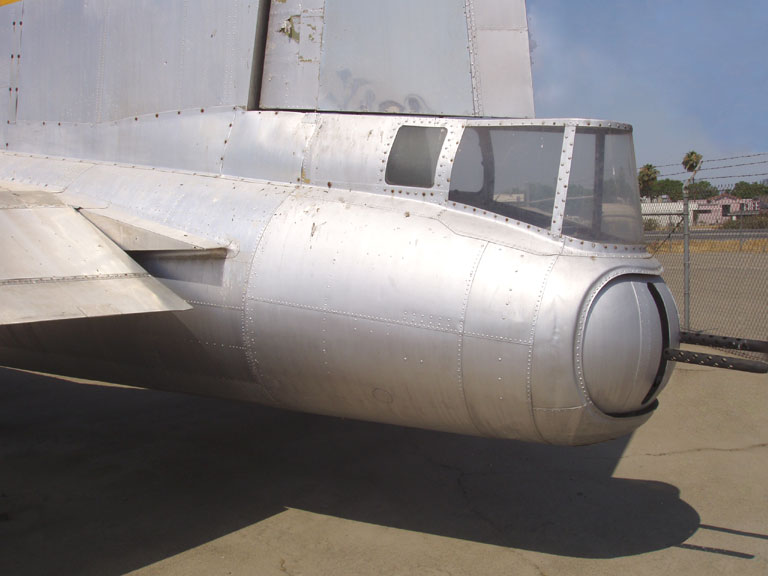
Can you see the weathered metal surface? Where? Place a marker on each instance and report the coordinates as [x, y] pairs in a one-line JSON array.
[[46, 299], [728, 342], [349, 154], [329, 263], [59, 266], [716, 361], [292, 56], [116, 60], [131, 233], [369, 305], [10, 31], [191, 139], [501, 61], [29, 173], [269, 146], [634, 357], [349, 56], [330, 55], [359, 277], [349, 151], [366, 67]]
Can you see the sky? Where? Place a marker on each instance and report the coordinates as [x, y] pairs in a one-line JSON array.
[[687, 74]]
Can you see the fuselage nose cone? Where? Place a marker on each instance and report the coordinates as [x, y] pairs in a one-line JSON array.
[[622, 346]]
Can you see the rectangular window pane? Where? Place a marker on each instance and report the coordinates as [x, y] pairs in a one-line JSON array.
[[413, 158], [603, 201], [511, 171]]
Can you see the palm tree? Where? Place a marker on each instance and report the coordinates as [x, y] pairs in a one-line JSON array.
[[692, 161], [646, 177]]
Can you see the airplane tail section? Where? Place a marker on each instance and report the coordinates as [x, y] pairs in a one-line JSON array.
[[76, 62], [433, 57]]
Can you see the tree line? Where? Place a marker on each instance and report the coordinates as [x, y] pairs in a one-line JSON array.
[[652, 187]]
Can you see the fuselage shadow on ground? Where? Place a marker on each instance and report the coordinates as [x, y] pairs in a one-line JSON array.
[[104, 480]]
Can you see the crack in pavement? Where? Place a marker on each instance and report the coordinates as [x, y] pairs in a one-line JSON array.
[[695, 450], [679, 452], [461, 476]]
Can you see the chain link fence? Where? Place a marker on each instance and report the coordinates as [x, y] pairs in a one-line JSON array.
[[728, 259]]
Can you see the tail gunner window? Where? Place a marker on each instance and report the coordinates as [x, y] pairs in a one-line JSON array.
[[413, 158], [510, 171], [513, 171], [603, 198]]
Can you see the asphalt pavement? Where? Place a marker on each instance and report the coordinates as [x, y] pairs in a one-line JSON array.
[[103, 480]]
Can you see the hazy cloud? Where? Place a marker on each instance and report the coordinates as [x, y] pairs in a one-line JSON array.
[[688, 74]]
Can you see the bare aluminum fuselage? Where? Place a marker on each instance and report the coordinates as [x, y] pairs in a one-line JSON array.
[[342, 293]]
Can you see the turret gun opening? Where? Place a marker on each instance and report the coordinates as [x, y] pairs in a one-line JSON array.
[[719, 360]]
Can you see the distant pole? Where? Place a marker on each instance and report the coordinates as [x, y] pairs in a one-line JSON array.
[[686, 261], [741, 230], [687, 252]]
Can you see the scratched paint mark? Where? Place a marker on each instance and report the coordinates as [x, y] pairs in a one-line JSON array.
[[291, 27]]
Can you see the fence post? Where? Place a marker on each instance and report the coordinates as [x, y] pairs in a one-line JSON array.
[[686, 262], [741, 231]]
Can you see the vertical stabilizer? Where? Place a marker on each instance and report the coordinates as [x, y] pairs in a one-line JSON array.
[[434, 57], [96, 61]]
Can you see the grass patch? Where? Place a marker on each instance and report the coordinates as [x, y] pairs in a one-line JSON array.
[[675, 246]]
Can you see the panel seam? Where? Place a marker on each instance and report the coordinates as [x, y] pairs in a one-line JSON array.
[[462, 324]]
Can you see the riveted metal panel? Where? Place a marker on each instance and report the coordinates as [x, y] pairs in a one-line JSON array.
[[495, 386], [527, 237], [192, 139], [50, 241], [62, 46], [397, 282], [506, 295], [557, 353], [218, 209], [292, 56], [435, 57], [501, 318], [373, 306], [138, 349], [57, 265], [10, 32], [98, 60], [218, 329], [563, 177], [397, 57], [132, 233], [583, 425], [382, 255], [84, 298], [357, 367], [200, 53], [353, 152], [501, 60], [231, 210], [350, 151], [48, 173], [625, 306], [268, 145]]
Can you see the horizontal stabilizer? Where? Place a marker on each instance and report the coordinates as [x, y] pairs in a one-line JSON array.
[[56, 265], [134, 234]]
